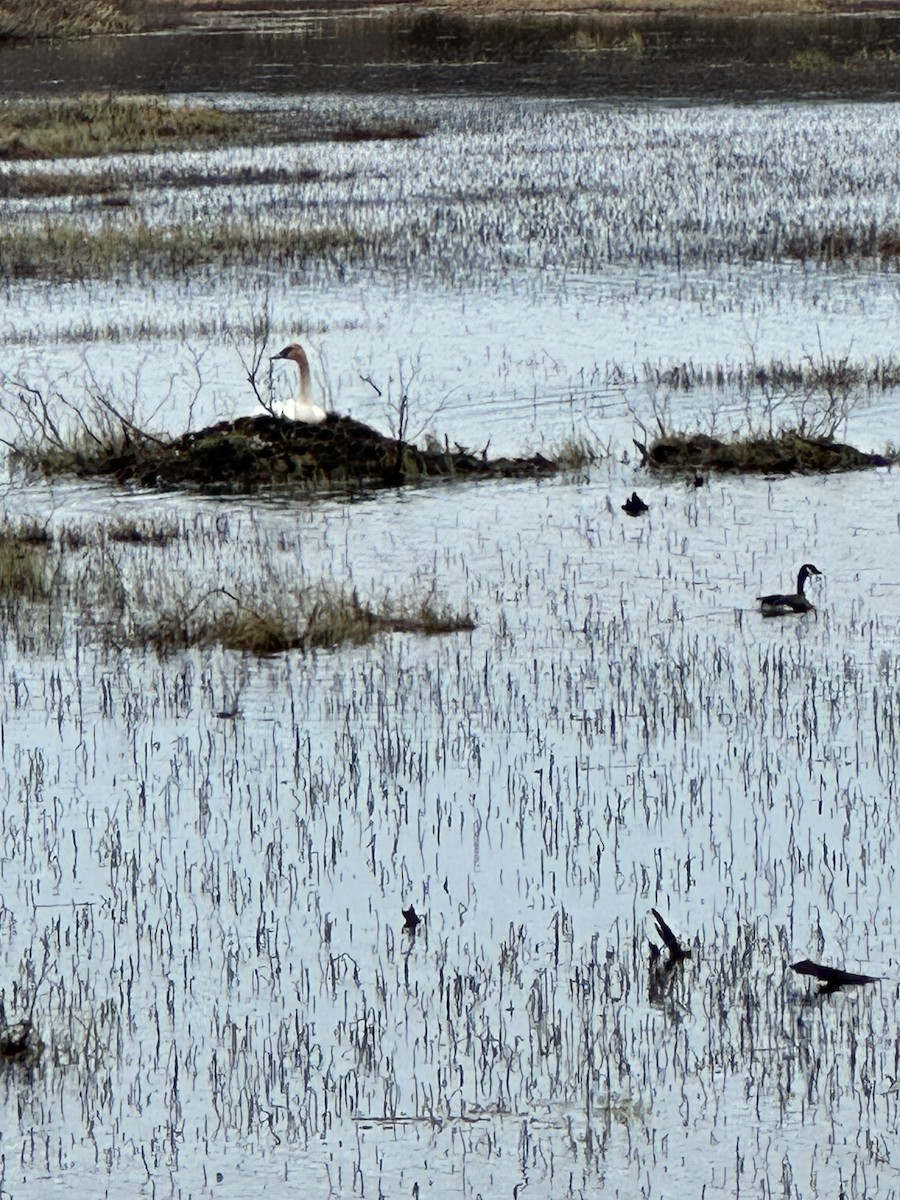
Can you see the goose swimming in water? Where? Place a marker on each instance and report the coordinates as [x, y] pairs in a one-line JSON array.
[[778, 605], [301, 407]]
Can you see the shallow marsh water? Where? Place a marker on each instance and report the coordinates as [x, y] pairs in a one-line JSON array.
[[213, 851]]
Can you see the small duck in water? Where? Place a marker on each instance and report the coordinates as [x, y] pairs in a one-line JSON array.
[[301, 407], [634, 505], [786, 605]]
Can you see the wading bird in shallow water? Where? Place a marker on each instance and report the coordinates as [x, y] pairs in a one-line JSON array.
[[634, 505], [300, 407], [778, 605], [831, 978]]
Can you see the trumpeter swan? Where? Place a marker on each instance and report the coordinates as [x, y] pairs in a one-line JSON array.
[[299, 407]]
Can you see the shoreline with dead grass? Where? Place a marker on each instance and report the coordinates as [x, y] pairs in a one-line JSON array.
[[22, 19]]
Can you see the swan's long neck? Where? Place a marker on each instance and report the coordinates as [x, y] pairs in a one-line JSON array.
[[302, 362]]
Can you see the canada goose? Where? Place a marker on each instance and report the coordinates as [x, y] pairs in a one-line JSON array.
[[778, 605], [634, 505], [301, 407]]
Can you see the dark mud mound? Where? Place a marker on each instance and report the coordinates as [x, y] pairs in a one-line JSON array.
[[784, 454], [251, 453]]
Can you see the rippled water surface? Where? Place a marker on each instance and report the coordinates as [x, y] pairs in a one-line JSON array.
[[204, 858]]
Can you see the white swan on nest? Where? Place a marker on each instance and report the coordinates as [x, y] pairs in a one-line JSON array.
[[301, 406]]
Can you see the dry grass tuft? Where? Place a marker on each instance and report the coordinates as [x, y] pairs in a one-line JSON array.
[[320, 618], [66, 250], [576, 453], [105, 124], [24, 563], [813, 61]]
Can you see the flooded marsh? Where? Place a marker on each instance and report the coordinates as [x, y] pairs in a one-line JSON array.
[[206, 852]]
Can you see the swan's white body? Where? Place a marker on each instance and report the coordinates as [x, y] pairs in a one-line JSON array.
[[301, 406]]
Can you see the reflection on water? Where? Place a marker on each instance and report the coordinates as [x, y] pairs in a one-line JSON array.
[[652, 55]]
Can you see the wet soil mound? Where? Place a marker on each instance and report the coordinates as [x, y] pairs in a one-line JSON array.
[[784, 454], [265, 451]]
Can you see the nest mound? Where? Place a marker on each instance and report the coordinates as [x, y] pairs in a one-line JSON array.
[[784, 454], [250, 453]]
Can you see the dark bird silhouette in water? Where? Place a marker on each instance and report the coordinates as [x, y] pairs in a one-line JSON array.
[[662, 971], [411, 919], [785, 605], [677, 952], [832, 979], [634, 505], [699, 481]]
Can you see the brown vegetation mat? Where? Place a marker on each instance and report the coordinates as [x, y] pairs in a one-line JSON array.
[[782, 454], [250, 453]]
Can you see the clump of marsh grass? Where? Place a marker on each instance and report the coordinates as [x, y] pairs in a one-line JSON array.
[[98, 579], [143, 533], [322, 617], [24, 563], [792, 415], [117, 183], [782, 453], [813, 61], [843, 243], [576, 453], [66, 250], [106, 124]]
